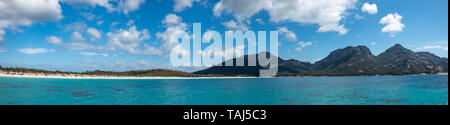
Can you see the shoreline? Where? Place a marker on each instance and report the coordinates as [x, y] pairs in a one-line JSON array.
[[74, 76], [77, 76]]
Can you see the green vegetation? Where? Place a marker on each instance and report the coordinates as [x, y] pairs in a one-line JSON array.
[[137, 73]]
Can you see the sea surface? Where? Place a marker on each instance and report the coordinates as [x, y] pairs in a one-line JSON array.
[[370, 90]]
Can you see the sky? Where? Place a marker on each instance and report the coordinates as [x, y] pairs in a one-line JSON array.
[[120, 35]]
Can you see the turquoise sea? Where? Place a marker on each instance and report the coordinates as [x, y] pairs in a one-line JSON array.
[[370, 90]]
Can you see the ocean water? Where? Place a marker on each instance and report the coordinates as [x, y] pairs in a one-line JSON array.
[[371, 90]]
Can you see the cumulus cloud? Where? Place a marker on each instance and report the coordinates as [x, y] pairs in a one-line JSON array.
[[92, 3], [173, 24], [241, 9], [393, 23], [94, 34], [32, 51], [127, 40], [302, 45], [127, 6], [288, 35], [233, 25], [180, 5], [54, 40], [172, 19], [15, 13], [325, 13], [76, 36], [124, 6], [370, 8]]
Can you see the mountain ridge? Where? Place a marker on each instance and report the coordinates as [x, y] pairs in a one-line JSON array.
[[349, 61]]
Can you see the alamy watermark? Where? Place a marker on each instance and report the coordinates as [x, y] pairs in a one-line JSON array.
[[210, 49]]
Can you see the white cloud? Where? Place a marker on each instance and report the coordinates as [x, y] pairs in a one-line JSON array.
[[92, 3], [94, 34], [288, 35], [127, 6], [241, 9], [370, 8], [180, 5], [172, 19], [303, 45], [2, 33], [373, 43], [151, 51], [94, 54], [233, 25], [15, 13], [173, 24], [79, 46], [326, 13], [76, 26], [2, 49], [32, 51], [127, 40], [76, 36], [393, 23], [433, 48], [54, 40], [124, 6]]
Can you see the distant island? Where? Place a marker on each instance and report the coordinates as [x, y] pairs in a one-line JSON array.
[[350, 61]]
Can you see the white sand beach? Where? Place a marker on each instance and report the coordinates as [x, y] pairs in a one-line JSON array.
[[79, 76]]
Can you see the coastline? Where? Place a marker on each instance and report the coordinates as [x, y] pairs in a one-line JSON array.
[[77, 76]]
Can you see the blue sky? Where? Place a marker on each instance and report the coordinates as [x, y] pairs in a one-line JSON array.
[[80, 35]]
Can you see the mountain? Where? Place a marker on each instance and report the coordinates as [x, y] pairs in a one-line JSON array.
[[349, 61], [441, 62], [222, 70], [285, 68], [294, 68], [398, 60]]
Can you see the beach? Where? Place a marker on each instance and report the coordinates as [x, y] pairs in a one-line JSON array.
[[81, 76]]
